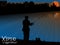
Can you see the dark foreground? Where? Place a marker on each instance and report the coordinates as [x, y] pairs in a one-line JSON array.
[[31, 42]]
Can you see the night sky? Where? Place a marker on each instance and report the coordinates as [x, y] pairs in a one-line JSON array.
[[31, 0]]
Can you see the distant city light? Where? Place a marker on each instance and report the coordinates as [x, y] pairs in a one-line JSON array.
[[56, 3]]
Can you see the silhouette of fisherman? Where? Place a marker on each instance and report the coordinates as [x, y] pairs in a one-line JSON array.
[[26, 29]]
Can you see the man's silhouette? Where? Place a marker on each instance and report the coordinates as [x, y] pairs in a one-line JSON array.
[[26, 29]]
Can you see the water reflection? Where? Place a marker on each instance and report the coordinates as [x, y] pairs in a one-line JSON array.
[[47, 26], [57, 15]]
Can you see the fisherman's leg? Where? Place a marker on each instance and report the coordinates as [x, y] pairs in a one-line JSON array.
[[24, 35], [27, 36]]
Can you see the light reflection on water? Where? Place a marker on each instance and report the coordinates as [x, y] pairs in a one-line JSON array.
[[46, 26]]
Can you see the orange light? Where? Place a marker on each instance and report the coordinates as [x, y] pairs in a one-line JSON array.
[[56, 3]]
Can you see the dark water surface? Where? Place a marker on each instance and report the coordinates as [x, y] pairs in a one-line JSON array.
[[46, 26]]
